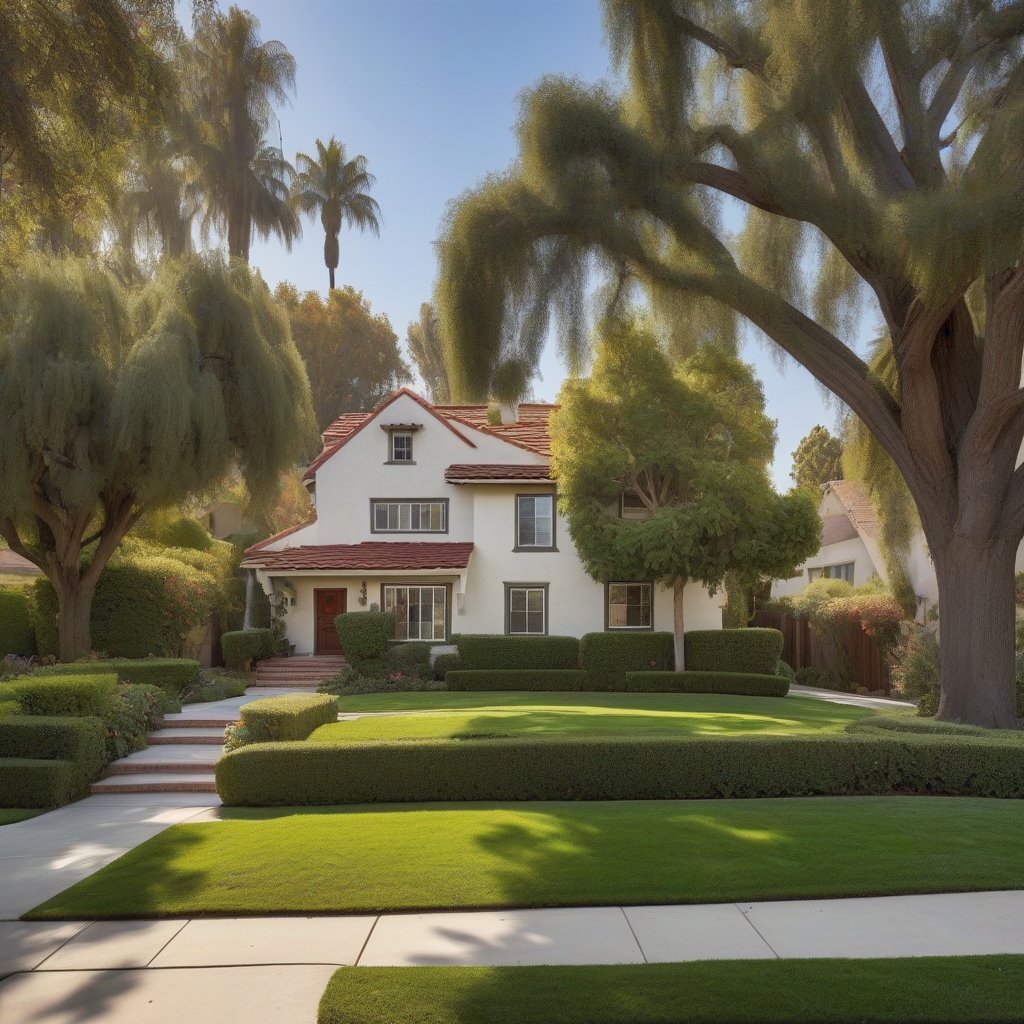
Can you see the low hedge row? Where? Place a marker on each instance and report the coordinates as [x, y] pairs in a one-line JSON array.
[[744, 684], [320, 774], [28, 739], [484, 651], [244, 647], [86, 694], [550, 679], [173, 675], [16, 635], [607, 657], [364, 636], [292, 717], [733, 650]]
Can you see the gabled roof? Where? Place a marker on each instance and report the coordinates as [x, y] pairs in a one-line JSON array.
[[278, 536], [495, 472], [365, 557], [856, 502]]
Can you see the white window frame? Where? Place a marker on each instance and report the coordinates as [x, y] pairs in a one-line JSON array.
[[404, 435], [550, 539], [391, 601], [626, 627], [407, 511]]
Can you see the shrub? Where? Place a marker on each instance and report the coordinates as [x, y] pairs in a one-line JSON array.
[[915, 670], [134, 711], [36, 783], [483, 650], [364, 636], [746, 684], [350, 684], [880, 616], [733, 650], [12, 666], [412, 659], [288, 718], [211, 685], [813, 675], [607, 657], [87, 694], [173, 675], [308, 773], [550, 679], [242, 649], [16, 636], [445, 663], [784, 669], [77, 742]]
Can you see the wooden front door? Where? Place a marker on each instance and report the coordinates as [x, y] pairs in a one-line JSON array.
[[329, 603]]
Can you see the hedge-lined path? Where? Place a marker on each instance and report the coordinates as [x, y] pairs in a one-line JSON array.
[[182, 756], [273, 970]]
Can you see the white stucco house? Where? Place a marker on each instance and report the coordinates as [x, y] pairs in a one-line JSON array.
[[451, 522]]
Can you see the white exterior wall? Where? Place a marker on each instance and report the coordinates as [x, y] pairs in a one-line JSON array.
[[854, 550]]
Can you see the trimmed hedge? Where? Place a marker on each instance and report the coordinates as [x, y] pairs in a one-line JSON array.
[[16, 635], [288, 718], [172, 675], [244, 647], [321, 774], [741, 683], [733, 650], [86, 694], [445, 663], [28, 739], [364, 636], [607, 657], [483, 650], [551, 679]]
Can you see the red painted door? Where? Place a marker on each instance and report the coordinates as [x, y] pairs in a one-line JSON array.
[[329, 604]]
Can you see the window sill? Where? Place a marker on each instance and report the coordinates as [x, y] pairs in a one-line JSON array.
[[407, 533], [400, 462], [548, 550]]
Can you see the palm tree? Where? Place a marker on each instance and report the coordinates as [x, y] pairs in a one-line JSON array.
[[337, 189], [235, 78]]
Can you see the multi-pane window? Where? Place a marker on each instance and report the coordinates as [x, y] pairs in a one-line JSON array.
[[535, 520], [629, 606], [401, 446], [410, 516], [419, 611], [527, 611], [832, 572], [633, 507]]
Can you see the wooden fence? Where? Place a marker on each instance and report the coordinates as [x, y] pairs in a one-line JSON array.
[[801, 648]]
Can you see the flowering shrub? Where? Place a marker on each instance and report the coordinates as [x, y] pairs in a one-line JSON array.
[[134, 711], [878, 615]]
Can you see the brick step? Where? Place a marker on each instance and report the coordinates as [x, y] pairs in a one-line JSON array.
[[171, 722], [191, 782], [162, 767], [212, 736]]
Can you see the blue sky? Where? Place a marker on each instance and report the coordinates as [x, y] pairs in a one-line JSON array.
[[427, 91]]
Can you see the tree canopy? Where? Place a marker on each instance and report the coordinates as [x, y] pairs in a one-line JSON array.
[[818, 459], [424, 343], [873, 148], [351, 355], [693, 446], [115, 403]]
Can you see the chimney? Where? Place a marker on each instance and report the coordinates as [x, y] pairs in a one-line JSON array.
[[509, 412]]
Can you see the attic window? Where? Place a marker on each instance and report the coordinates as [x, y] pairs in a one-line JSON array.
[[401, 446]]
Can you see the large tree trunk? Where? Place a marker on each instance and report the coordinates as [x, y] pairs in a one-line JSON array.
[[330, 271], [677, 622], [976, 632], [74, 612]]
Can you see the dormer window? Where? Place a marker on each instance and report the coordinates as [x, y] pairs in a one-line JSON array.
[[401, 447]]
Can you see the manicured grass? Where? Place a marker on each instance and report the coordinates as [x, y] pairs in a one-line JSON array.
[[989, 988], [591, 714], [411, 857], [9, 815]]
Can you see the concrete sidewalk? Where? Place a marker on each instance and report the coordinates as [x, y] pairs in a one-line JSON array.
[[274, 970]]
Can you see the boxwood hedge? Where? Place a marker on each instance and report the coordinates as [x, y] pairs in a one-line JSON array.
[[517, 679], [482, 650], [742, 683], [607, 657], [733, 650], [172, 675], [292, 717], [244, 647], [32, 782], [16, 635], [654, 768], [26, 741], [86, 694], [364, 636]]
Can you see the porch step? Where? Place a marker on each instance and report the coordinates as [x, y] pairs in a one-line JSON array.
[[212, 735], [302, 671], [185, 722], [190, 782], [125, 767]]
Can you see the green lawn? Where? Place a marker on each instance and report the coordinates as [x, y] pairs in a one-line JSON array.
[[989, 988], [411, 857], [9, 815], [442, 714]]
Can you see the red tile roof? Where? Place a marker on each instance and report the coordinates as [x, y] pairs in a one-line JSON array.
[[368, 556], [530, 432], [277, 536], [465, 473], [856, 501]]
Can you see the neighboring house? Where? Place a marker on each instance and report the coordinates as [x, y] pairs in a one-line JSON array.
[[450, 522], [222, 518]]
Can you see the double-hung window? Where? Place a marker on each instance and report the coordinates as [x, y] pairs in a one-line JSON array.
[[410, 516], [832, 572], [401, 446], [535, 522], [527, 605], [629, 605], [419, 611]]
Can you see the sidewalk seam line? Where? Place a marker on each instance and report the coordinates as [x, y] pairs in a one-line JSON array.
[[629, 924], [759, 935], [60, 947], [184, 923], [362, 949]]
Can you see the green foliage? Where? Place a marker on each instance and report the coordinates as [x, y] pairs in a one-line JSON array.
[[212, 685], [324, 774], [134, 711], [170, 529], [364, 636], [423, 340], [492, 651], [814, 596], [784, 669], [85, 694], [817, 460], [242, 649], [733, 650], [545, 679], [172, 675], [76, 743], [607, 657], [292, 717], [916, 669], [814, 675], [16, 635], [693, 445], [880, 616], [445, 663], [745, 684]]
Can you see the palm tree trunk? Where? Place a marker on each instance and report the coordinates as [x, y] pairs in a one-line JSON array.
[[330, 271]]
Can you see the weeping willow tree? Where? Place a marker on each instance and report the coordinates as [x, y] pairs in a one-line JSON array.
[[874, 146], [114, 403]]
